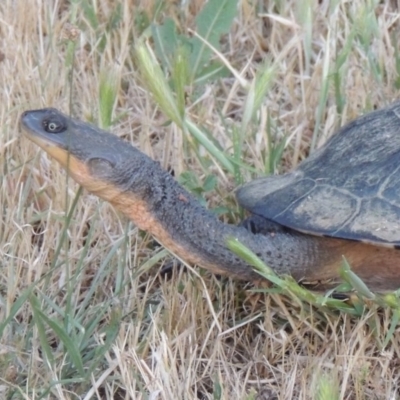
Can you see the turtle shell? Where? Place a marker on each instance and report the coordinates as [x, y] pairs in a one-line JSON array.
[[349, 188]]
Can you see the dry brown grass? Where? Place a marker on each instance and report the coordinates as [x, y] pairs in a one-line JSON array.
[[192, 335]]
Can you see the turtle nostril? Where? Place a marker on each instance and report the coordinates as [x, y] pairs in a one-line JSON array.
[[24, 114]]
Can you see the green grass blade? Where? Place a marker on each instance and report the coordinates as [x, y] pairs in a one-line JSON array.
[[71, 346], [202, 138], [394, 323], [165, 42], [40, 326], [214, 20], [248, 256], [108, 91], [15, 308], [256, 94], [349, 276], [156, 82]]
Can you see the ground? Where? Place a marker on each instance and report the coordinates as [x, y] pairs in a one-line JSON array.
[[86, 309]]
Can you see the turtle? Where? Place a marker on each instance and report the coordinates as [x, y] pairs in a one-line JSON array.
[[343, 201]]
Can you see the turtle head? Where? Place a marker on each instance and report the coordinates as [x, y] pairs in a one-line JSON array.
[[96, 159]]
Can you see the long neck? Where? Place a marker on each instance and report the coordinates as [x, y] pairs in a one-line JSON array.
[[155, 202]]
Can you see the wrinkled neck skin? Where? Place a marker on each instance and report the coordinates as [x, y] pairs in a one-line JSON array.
[[155, 202]]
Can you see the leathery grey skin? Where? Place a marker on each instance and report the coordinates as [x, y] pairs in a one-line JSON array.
[[196, 230]]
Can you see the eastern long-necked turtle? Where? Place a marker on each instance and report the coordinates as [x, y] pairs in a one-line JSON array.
[[344, 200]]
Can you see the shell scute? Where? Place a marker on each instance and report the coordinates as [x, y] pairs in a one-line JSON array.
[[349, 188]]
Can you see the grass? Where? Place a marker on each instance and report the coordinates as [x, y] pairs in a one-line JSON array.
[[85, 311]]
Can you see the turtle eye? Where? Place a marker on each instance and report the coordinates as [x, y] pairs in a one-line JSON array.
[[53, 125]]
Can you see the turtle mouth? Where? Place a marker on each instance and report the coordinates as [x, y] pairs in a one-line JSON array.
[[43, 127], [53, 149], [31, 124]]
